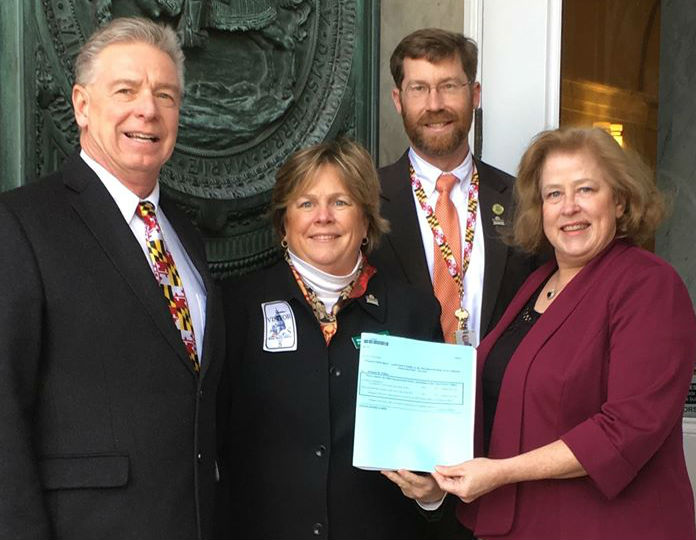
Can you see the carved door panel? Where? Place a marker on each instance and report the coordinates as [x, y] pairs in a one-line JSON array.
[[263, 78]]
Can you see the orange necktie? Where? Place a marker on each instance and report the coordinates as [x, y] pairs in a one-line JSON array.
[[446, 288]]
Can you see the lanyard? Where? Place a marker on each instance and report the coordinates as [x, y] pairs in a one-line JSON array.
[[439, 234]]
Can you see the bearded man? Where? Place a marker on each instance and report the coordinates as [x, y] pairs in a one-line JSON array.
[[447, 208], [447, 211]]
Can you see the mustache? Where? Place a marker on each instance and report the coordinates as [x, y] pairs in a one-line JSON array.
[[436, 117]]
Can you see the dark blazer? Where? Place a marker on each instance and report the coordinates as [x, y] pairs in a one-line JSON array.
[[401, 254], [293, 413], [606, 369], [105, 430]]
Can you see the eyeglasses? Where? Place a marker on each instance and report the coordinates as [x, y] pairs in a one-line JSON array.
[[447, 89]]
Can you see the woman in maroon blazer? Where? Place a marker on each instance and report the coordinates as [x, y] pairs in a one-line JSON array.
[[582, 383]]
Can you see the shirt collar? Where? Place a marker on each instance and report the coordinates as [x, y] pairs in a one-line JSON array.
[[428, 173], [125, 199]]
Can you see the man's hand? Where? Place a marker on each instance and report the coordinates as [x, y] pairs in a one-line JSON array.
[[422, 488]]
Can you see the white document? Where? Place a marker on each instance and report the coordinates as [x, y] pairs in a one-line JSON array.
[[415, 404]]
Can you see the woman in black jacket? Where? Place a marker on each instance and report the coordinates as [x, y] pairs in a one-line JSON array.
[[293, 331]]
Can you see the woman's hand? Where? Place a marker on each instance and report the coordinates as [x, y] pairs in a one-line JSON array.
[[471, 479], [420, 487]]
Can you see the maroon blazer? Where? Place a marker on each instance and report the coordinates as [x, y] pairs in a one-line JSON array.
[[606, 369]]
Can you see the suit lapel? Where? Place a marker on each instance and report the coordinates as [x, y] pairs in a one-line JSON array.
[[501, 502], [399, 207], [374, 301], [188, 239], [192, 246], [492, 192], [499, 507], [512, 394], [285, 285], [101, 216]]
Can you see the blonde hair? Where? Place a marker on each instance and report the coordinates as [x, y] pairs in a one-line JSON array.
[[357, 172], [629, 178]]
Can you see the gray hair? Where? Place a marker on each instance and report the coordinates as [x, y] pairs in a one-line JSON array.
[[129, 30]]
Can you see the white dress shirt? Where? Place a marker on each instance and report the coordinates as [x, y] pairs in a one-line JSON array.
[[127, 202], [473, 279]]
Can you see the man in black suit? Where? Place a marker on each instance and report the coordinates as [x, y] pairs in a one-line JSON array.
[[436, 93], [445, 238], [110, 329]]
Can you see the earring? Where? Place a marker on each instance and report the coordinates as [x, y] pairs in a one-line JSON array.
[[284, 243], [364, 241]]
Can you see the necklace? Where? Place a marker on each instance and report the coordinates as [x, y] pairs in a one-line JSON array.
[[550, 294]]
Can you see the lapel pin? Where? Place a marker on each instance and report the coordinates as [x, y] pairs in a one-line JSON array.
[[498, 210], [370, 299]]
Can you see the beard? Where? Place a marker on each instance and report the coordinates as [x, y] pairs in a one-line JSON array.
[[437, 144]]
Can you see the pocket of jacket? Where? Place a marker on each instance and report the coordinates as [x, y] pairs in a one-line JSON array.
[[90, 471]]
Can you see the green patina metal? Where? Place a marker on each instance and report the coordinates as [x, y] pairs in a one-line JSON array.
[[264, 78], [12, 126]]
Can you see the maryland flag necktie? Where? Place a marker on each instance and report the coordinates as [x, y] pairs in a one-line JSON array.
[[168, 277]]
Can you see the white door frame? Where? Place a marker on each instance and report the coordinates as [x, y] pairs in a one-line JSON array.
[[519, 68]]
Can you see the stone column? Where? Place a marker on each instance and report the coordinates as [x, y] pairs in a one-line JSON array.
[[676, 141]]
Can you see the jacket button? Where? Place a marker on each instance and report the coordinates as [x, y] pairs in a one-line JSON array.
[[336, 372], [200, 393], [317, 528], [199, 457], [320, 450]]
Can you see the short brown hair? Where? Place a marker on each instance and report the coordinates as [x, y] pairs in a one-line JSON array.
[[357, 171], [435, 45], [629, 178]]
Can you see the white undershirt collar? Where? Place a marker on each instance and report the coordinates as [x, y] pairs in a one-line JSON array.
[[326, 286]]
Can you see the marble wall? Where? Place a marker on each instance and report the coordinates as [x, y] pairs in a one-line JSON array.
[[676, 144], [398, 18]]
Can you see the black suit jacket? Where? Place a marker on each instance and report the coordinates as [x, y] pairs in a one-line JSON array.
[[105, 430], [293, 413], [401, 254]]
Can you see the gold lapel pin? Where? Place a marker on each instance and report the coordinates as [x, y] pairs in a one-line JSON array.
[[498, 210]]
